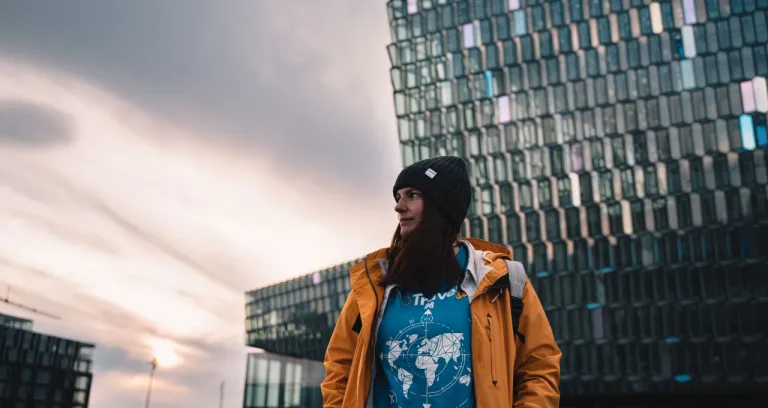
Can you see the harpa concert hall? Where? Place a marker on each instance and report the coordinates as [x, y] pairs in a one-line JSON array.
[[618, 147]]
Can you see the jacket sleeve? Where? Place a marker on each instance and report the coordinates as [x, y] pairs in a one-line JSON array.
[[338, 356], [537, 371]]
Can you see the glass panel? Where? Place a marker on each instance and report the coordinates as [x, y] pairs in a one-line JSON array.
[[573, 222], [533, 228], [507, 198], [553, 225], [495, 229], [488, 201], [689, 11], [298, 385], [521, 27], [500, 167], [514, 232], [564, 191], [468, 35], [545, 193], [502, 27], [526, 196]]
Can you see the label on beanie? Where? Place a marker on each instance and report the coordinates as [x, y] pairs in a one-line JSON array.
[[430, 173]]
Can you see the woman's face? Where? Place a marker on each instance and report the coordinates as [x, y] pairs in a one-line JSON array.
[[409, 204]]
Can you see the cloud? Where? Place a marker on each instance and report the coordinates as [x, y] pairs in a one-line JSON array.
[[131, 389], [33, 125], [192, 151], [310, 84], [123, 343], [145, 225]]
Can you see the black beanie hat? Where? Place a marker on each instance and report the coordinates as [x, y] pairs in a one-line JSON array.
[[445, 181]]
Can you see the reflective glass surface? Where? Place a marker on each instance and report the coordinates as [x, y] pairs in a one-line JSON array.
[[618, 148], [40, 370], [279, 381], [627, 171], [296, 317]]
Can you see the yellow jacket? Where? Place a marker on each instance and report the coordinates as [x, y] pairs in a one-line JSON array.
[[507, 372]]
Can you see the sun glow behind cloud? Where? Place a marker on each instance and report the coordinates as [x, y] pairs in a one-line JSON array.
[[165, 232], [165, 352]]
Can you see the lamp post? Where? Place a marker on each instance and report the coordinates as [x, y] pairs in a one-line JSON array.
[[151, 377], [221, 395]]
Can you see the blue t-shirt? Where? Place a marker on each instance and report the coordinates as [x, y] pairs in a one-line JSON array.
[[423, 349]]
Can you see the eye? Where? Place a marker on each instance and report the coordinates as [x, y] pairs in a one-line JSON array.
[[414, 194]]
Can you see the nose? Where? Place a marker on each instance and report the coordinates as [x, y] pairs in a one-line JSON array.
[[400, 206]]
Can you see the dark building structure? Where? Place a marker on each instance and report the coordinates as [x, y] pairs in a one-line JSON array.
[[274, 380], [296, 318], [42, 371], [618, 147], [293, 320]]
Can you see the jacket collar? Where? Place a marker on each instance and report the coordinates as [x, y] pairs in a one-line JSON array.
[[476, 267], [486, 266]]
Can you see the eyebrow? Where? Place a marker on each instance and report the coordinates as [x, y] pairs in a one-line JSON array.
[[407, 190]]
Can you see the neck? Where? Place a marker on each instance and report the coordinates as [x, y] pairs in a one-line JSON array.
[[456, 248]]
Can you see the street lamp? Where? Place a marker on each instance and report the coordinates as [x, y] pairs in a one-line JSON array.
[[151, 377]]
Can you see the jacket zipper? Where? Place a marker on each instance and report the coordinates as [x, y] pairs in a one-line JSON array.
[[490, 338], [490, 342], [372, 343]]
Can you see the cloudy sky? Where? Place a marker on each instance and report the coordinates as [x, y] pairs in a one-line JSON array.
[[159, 159]]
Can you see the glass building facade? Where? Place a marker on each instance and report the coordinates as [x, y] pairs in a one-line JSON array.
[[274, 380], [296, 318], [41, 371], [618, 147]]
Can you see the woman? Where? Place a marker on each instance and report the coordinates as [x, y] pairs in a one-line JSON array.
[[429, 321]]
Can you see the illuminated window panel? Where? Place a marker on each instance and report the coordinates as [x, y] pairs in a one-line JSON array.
[[413, 6], [468, 35], [760, 94], [689, 11], [748, 139]]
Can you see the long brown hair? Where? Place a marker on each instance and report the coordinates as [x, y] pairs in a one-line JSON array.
[[424, 260]]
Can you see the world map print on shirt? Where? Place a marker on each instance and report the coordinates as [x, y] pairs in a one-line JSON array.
[[423, 350]]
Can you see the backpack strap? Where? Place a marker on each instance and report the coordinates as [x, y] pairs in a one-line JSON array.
[[517, 280]]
